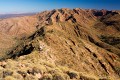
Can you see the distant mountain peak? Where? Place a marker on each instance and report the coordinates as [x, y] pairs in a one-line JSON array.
[[12, 15]]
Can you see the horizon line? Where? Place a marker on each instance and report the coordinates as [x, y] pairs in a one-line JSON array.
[[52, 9]]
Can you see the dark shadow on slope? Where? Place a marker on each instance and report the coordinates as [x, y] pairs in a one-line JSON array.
[[26, 46]]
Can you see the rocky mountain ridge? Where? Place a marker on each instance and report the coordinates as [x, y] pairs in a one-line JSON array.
[[84, 40]]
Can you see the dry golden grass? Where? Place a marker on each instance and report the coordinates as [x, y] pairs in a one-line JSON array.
[[32, 66]]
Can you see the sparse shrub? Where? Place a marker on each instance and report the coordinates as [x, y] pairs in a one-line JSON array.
[[58, 77], [52, 71], [34, 71], [72, 74], [23, 73], [47, 77], [117, 69], [7, 73], [30, 71]]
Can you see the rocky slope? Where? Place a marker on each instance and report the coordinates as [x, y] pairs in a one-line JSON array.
[[63, 44]]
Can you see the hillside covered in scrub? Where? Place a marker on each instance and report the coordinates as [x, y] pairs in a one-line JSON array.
[[61, 44]]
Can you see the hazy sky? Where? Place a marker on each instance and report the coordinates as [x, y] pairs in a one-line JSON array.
[[23, 6]]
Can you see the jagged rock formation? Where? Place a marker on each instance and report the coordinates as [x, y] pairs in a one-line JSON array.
[[87, 41]]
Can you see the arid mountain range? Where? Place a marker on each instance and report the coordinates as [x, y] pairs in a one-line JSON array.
[[6, 15], [61, 44]]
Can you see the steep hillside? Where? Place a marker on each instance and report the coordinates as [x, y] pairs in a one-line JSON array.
[[12, 29], [19, 26], [63, 44]]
